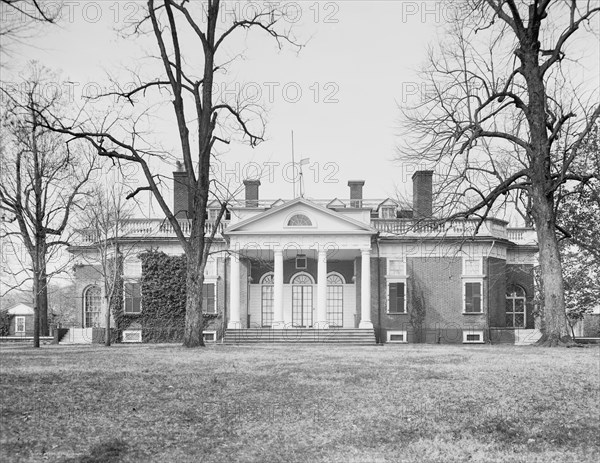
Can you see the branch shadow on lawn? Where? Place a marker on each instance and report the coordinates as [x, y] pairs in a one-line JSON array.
[[110, 451]]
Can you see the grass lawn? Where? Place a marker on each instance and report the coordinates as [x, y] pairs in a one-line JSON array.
[[413, 403]]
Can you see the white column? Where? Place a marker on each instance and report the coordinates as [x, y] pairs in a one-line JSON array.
[[278, 290], [321, 321], [365, 290], [234, 293]]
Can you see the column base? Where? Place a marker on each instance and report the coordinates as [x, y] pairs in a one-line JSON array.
[[277, 325], [365, 325], [234, 325]]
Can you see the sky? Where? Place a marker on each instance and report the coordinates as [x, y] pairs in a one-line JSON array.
[[339, 94]]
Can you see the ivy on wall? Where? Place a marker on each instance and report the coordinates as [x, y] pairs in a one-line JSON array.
[[162, 318], [163, 297]]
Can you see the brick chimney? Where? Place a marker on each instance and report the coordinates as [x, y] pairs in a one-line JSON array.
[[182, 195], [422, 194], [251, 192], [356, 193]]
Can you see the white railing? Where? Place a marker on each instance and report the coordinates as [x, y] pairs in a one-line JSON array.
[[147, 228], [455, 228], [522, 235]]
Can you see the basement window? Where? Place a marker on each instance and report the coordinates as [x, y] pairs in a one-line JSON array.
[[472, 337], [132, 335], [397, 336], [209, 336]]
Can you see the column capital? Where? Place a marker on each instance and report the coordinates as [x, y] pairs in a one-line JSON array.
[[365, 251], [278, 251]]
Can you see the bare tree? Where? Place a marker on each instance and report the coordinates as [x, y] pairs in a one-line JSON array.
[[20, 19], [104, 221], [504, 117], [192, 40], [41, 182]]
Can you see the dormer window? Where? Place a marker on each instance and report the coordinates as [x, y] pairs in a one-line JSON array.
[[299, 220], [387, 212]]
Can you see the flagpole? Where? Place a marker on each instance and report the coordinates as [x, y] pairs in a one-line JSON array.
[[294, 169]]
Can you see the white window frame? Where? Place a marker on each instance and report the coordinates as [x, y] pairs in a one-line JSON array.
[[262, 298], [132, 281], [213, 281], [395, 333], [213, 214], [464, 295], [214, 333], [17, 318], [387, 208], [473, 332], [387, 294]]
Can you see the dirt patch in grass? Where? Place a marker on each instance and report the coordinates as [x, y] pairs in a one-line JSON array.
[[298, 403]]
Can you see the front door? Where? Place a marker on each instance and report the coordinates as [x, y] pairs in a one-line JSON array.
[[302, 301]]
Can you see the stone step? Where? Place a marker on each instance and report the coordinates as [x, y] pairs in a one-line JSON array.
[[300, 335], [77, 336]]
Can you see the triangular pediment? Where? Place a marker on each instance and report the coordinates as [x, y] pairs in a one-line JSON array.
[[300, 216], [279, 202], [389, 203], [336, 204]]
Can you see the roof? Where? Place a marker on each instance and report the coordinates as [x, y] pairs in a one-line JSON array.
[[359, 227], [20, 309]]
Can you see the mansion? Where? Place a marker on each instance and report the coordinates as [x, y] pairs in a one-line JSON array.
[[335, 270]]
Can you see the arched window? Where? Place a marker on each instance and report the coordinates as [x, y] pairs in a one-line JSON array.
[[302, 279], [515, 307], [335, 299], [302, 300], [267, 299], [299, 220], [92, 302]]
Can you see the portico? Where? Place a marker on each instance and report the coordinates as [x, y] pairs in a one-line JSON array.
[[301, 260]]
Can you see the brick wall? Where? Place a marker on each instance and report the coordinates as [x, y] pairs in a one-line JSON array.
[[12, 328], [439, 281]]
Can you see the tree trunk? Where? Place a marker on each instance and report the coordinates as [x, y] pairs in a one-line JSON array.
[[554, 318], [194, 322], [36, 310], [43, 298], [107, 320]]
